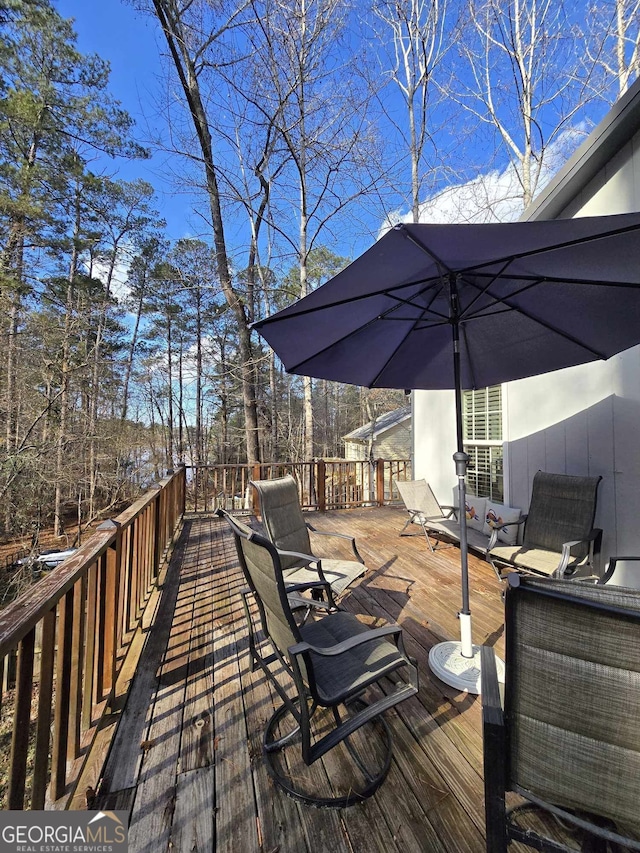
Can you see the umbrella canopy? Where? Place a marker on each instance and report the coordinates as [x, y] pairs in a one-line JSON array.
[[467, 306], [531, 297]]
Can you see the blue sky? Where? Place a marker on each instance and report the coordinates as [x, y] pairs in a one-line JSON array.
[[128, 40], [132, 43]]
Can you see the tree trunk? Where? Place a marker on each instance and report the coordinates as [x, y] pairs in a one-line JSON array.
[[170, 19], [64, 381]]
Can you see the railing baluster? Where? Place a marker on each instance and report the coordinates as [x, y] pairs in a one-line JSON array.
[[43, 725], [101, 571], [89, 686], [110, 641], [75, 680], [21, 721], [61, 715]]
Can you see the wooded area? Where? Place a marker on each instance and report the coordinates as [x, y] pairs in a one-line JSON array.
[[304, 127]]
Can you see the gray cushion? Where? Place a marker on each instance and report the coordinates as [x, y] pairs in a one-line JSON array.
[[342, 675], [339, 573]]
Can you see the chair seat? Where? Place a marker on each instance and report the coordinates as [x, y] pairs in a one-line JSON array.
[[537, 560], [475, 539], [345, 674], [339, 573]]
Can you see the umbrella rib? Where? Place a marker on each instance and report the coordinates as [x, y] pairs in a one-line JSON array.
[[551, 279], [349, 300], [577, 241], [381, 316], [525, 313]]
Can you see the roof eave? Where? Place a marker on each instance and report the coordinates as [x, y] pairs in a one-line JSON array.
[[603, 143]]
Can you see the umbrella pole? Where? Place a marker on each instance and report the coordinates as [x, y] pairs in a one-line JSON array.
[[461, 460], [458, 664]]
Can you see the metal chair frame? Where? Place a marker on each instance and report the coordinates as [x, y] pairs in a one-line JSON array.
[[300, 661]]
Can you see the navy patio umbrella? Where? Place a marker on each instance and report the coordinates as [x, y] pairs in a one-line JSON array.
[[463, 307]]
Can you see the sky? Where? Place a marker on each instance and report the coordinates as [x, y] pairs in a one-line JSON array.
[[132, 43], [129, 41]]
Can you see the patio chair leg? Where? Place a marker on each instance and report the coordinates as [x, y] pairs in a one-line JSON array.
[[426, 536], [292, 783], [495, 568], [406, 524]]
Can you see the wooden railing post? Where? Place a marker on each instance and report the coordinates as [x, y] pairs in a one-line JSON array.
[[321, 480], [380, 482], [181, 496], [110, 571], [61, 714], [256, 471], [157, 527]]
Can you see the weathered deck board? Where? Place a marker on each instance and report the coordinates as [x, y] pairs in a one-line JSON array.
[[188, 751]]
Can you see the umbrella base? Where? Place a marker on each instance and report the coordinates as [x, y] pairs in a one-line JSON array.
[[449, 664]]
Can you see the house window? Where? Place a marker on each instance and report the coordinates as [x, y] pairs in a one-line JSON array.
[[482, 434]]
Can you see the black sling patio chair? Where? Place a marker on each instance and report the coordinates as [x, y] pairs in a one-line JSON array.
[[559, 538], [285, 525], [568, 739], [333, 662]]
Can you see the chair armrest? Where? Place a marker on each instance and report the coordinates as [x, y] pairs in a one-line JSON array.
[[346, 645], [495, 530], [451, 511], [300, 587], [491, 703], [305, 559], [301, 602], [346, 536], [414, 512], [593, 536], [611, 568]]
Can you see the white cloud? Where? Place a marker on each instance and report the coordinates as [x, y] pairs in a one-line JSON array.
[[119, 287], [495, 196]]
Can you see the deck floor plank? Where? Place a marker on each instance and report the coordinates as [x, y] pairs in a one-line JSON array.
[[235, 807], [188, 751]]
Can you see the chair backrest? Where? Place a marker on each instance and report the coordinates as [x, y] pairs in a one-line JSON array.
[[282, 516], [418, 495], [261, 567], [562, 509], [572, 694]]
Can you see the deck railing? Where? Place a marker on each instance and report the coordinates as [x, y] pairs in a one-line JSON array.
[[67, 639], [322, 484], [69, 642]]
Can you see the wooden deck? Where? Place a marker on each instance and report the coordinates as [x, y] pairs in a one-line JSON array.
[[186, 760]]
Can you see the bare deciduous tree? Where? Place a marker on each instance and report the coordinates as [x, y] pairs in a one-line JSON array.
[[614, 43], [193, 32], [417, 30], [522, 60]]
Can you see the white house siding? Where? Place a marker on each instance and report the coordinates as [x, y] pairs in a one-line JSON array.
[[394, 443], [615, 189], [355, 450], [583, 420], [434, 430]]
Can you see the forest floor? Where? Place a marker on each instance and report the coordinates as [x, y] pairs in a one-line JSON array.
[[14, 577]]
